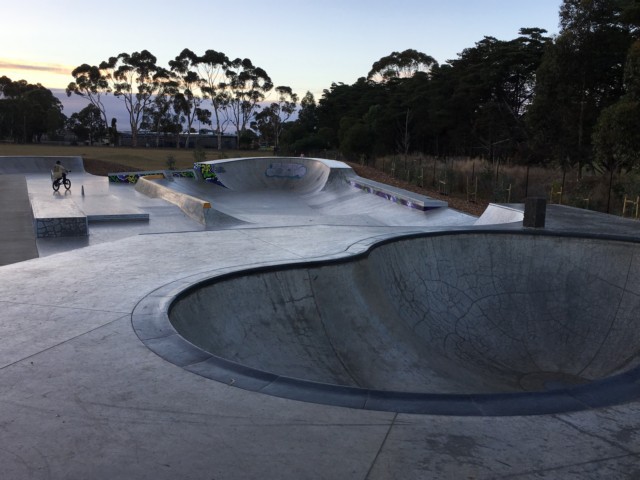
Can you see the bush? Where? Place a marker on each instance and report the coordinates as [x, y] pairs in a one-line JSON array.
[[199, 155]]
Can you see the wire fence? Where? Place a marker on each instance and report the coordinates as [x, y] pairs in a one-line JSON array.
[[481, 180]]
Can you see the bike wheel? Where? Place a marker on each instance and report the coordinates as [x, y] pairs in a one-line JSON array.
[[56, 186], [67, 183]]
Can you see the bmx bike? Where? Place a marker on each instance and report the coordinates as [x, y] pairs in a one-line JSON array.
[[56, 183]]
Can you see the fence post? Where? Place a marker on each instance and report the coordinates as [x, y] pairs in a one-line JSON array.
[[435, 164], [636, 204], [442, 185], [558, 193], [472, 196]]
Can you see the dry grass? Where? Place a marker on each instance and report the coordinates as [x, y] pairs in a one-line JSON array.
[[457, 201], [495, 182], [132, 158]]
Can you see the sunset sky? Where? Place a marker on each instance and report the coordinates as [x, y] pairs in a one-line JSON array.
[[304, 44]]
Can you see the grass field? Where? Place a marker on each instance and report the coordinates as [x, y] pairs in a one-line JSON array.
[[122, 157]]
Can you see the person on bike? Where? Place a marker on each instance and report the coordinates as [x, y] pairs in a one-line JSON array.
[[59, 172]]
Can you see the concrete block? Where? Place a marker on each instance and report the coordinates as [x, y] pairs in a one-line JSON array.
[[535, 209]]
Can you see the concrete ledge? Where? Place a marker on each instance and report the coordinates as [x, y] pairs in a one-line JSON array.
[[61, 227], [62, 219], [118, 217], [397, 195], [109, 208], [193, 207], [132, 177]]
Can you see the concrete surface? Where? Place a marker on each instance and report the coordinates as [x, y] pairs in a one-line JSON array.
[[84, 397], [281, 191], [383, 322], [494, 214], [17, 235]]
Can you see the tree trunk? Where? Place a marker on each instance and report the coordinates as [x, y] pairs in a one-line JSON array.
[[610, 187]]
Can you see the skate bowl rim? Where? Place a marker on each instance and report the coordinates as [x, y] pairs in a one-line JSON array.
[[151, 322]]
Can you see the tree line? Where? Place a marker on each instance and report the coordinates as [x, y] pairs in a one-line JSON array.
[[209, 89], [27, 112], [168, 100], [570, 99]]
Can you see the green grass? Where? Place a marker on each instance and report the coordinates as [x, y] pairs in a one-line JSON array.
[[136, 158]]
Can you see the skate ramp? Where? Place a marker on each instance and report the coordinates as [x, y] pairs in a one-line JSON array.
[[67, 213], [455, 315], [280, 191], [16, 221], [42, 165], [499, 214], [302, 175]]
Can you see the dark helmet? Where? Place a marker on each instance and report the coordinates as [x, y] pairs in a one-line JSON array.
[[58, 162]]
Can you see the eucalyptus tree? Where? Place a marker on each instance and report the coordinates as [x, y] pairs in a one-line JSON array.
[[616, 137], [212, 67], [136, 79], [88, 124], [189, 89], [307, 114], [271, 119], [486, 92], [580, 75], [247, 85], [631, 15], [305, 133], [28, 111], [6, 109], [363, 107], [341, 106], [161, 117], [391, 119], [91, 84], [4, 83], [401, 65]]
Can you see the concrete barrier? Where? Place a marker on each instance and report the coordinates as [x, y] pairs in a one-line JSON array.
[[193, 207], [132, 177], [59, 219]]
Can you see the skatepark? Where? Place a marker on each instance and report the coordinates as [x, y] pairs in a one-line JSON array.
[[284, 318]]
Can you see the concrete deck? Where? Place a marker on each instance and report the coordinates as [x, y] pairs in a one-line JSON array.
[[84, 397], [17, 235]]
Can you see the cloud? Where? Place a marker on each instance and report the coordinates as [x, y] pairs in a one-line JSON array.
[[35, 67]]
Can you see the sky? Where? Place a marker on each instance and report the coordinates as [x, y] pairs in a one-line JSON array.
[[306, 45]]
